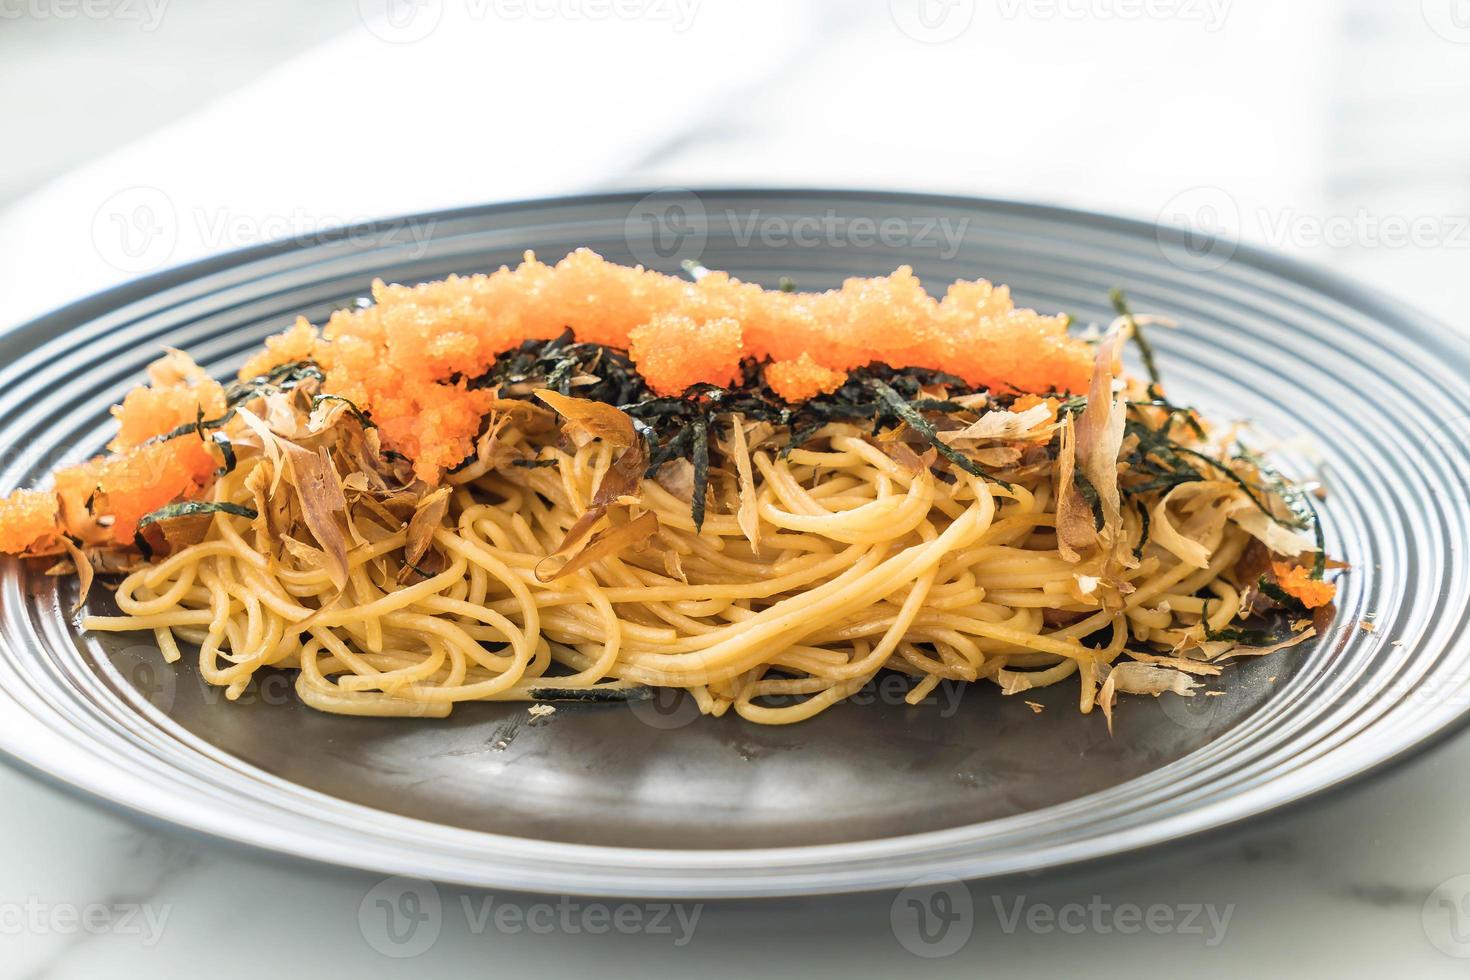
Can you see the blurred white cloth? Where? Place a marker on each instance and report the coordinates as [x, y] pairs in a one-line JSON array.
[[1233, 116], [430, 104]]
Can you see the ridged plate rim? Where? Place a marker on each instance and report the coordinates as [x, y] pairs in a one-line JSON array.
[[475, 858]]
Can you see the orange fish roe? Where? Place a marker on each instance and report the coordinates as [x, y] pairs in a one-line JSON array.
[[392, 361], [801, 379], [1297, 582], [674, 352], [28, 522], [140, 478], [888, 320], [148, 412], [131, 484], [407, 358], [401, 359], [137, 478], [178, 393], [140, 481], [296, 344]]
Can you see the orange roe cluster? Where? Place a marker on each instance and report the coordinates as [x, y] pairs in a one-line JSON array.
[[675, 352], [28, 523], [1297, 582], [178, 393], [407, 360], [103, 499], [802, 379], [404, 360], [130, 485], [296, 344]]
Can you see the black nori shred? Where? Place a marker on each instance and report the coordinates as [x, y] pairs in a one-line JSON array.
[[362, 417], [700, 429], [417, 570], [1250, 638], [199, 427], [1145, 519], [1094, 501], [1253, 638], [1297, 501], [906, 412], [1239, 481], [600, 694], [1278, 595], [678, 427], [1146, 350], [227, 453], [673, 425], [284, 377], [187, 508]]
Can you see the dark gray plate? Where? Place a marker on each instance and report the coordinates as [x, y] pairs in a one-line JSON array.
[[650, 800]]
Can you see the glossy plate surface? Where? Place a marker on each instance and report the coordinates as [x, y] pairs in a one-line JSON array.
[[649, 800]]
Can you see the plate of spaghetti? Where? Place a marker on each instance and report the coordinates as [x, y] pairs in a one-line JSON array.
[[557, 553]]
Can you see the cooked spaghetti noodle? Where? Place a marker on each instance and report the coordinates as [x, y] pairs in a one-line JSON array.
[[762, 553]]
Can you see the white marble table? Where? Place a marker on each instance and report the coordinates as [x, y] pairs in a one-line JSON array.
[[1331, 130]]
